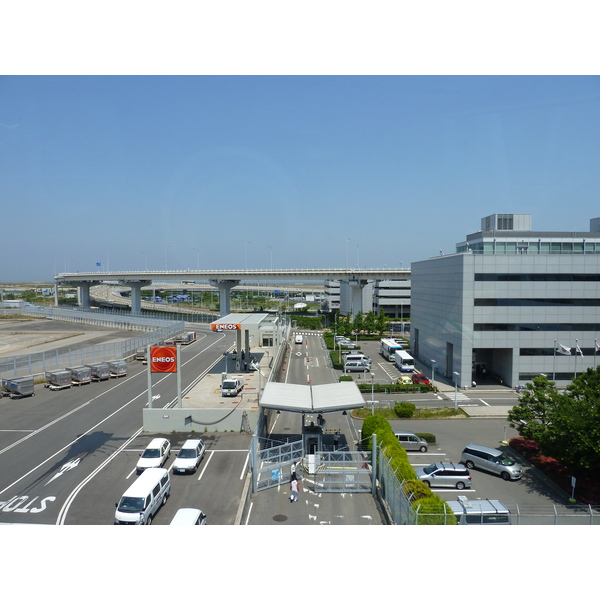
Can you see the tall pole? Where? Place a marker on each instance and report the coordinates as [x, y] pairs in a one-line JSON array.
[[456, 375]]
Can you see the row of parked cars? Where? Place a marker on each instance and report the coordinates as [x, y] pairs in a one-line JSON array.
[[142, 500], [457, 475]]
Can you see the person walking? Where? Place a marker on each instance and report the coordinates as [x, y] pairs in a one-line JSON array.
[[294, 489]]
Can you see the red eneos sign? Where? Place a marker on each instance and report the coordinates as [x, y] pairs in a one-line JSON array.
[[163, 359], [225, 326]]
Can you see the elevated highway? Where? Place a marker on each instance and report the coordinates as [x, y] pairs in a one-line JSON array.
[[223, 280]]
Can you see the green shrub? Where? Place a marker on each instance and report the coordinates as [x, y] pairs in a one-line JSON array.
[[404, 410], [345, 378], [428, 437], [430, 511], [415, 490]]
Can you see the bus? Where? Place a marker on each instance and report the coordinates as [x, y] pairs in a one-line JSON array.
[[388, 348], [404, 361]]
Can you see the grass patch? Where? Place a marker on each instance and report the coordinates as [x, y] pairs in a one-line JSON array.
[[420, 413]]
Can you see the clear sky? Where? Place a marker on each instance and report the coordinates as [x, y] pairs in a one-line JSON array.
[[224, 172]]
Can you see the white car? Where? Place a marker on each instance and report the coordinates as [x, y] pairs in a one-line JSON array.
[[155, 454], [189, 456]]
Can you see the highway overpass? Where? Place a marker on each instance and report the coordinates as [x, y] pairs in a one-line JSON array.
[[223, 280]]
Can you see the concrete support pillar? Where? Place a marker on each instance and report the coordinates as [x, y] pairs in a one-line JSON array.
[[224, 287], [83, 291], [56, 293], [136, 295], [356, 288]]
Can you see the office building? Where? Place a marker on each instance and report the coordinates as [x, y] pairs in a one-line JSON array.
[[510, 304]]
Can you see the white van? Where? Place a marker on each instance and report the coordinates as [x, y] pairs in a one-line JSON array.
[[299, 339], [189, 516], [479, 512], [189, 456], [358, 356], [356, 365], [144, 497]]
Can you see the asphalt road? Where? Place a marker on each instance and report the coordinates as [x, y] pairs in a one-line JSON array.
[[68, 456]]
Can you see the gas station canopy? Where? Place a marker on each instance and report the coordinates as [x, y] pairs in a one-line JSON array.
[[329, 397]]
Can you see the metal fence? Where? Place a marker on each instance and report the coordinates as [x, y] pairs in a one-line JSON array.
[[554, 514], [38, 363], [165, 313], [401, 511], [391, 494]]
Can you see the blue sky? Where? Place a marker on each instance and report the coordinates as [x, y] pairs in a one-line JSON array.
[[224, 172]]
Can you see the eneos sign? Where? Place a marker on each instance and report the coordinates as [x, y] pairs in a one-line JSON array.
[[163, 359], [225, 326]]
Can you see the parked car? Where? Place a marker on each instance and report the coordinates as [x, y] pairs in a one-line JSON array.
[[445, 475], [346, 343], [479, 512], [411, 441], [492, 460], [189, 516], [420, 379], [405, 380], [189, 456], [155, 454]]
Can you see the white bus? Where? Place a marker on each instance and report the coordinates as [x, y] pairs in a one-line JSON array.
[[388, 348], [404, 361]]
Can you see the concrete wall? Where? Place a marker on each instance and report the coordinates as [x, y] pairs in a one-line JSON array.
[[159, 420]]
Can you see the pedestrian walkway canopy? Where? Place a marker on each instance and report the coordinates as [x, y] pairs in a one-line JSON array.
[[307, 399]]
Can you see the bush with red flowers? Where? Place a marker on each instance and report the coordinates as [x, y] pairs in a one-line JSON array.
[[587, 489]]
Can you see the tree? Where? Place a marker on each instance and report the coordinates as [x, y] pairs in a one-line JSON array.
[[382, 322], [576, 424], [358, 323], [370, 323], [533, 416], [564, 426]]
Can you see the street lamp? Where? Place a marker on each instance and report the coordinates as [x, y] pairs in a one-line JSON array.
[[456, 375], [433, 367], [372, 393]]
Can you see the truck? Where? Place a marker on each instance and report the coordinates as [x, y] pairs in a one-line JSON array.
[[187, 338], [232, 386], [140, 354], [59, 379]]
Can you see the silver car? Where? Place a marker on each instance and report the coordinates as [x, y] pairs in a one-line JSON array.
[[411, 441], [492, 460], [445, 475]]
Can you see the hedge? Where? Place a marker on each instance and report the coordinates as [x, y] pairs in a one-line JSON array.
[[430, 507]]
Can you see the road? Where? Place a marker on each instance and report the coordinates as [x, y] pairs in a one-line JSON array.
[[67, 456], [308, 362]]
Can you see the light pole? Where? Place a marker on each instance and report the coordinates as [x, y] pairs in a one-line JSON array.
[[456, 376], [246, 256], [372, 393], [433, 366]]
